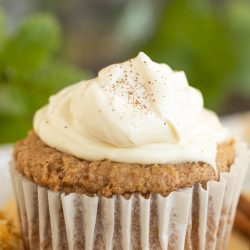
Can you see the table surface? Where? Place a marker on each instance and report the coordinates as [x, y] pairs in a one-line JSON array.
[[238, 241]]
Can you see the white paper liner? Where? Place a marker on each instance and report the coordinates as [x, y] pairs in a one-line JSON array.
[[193, 218]]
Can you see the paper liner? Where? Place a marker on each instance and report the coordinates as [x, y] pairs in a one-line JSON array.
[[193, 218]]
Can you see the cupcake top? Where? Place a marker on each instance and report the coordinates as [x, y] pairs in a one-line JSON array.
[[137, 111]]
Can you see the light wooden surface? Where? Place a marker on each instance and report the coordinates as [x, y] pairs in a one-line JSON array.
[[239, 241]]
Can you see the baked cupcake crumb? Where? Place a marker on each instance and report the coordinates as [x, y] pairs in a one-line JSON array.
[[46, 166]]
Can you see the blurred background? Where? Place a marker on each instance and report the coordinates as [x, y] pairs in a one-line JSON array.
[[46, 45]]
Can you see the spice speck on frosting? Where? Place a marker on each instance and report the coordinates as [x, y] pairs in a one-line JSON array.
[[138, 111]]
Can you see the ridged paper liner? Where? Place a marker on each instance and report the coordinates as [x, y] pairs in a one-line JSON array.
[[192, 218]]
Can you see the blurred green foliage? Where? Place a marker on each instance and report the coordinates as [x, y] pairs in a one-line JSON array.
[[210, 41], [30, 71]]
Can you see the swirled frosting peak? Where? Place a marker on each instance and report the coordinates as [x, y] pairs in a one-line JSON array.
[[137, 111]]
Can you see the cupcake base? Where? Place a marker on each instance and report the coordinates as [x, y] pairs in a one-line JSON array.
[[192, 218]]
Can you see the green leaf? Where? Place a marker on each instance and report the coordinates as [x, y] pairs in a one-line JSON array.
[[30, 73], [2, 29], [238, 23], [19, 101], [193, 37], [56, 75], [12, 100], [14, 128], [32, 45], [48, 80]]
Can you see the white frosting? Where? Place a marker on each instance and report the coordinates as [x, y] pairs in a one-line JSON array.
[[136, 112]]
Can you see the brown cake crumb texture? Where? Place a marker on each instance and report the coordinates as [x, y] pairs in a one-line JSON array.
[[59, 171]]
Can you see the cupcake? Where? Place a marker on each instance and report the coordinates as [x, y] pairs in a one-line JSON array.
[[128, 160]]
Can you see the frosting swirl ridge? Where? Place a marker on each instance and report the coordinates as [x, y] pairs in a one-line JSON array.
[[137, 111]]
